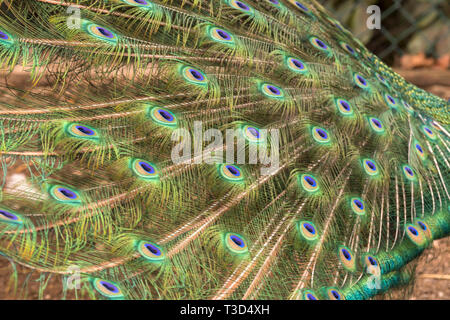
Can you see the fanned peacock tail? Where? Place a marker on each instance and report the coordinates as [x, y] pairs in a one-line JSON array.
[[359, 192]]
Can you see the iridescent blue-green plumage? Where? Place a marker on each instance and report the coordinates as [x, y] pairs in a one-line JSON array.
[[359, 193]]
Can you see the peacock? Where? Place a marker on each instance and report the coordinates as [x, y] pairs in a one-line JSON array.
[[221, 149]]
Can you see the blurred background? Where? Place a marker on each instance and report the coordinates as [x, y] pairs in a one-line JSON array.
[[414, 37], [415, 40]]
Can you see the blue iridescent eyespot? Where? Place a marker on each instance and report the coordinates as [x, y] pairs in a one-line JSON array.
[[300, 6], [309, 295], [138, 3], [360, 81], [376, 125], [334, 294], [10, 217], [409, 173], [194, 76], [235, 243], [81, 131], [320, 135], [143, 169], [309, 183], [231, 172], [429, 133], [371, 264], [107, 288], [271, 91], [308, 230], [150, 251], [344, 107], [382, 79], [319, 44], [390, 100], [357, 205], [348, 48], [422, 225], [425, 229], [370, 167], [6, 39], [162, 116], [240, 5], [65, 194], [253, 134], [220, 35], [296, 65], [101, 33], [347, 259], [416, 235], [419, 151], [275, 3]]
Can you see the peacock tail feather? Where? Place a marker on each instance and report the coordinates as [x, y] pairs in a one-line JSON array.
[[354, 192]]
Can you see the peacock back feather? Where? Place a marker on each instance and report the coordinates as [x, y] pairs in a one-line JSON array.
[[335, 184]]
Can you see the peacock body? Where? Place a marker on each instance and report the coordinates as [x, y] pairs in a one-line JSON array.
[[349, 187]]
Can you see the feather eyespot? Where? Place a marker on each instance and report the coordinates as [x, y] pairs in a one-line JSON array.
[[107, 289], [143, 169], [333, 293], [371, 264], [429, 133], [235, 243], [376, 125], [308, 230], [319, 44], [348, 48], [301, 6], [309, 295], [347, 259], [163, 117], [360, 81], [220, 35], [240, 5], [416, 235], [321, 135], [10, 217], [272, 91], [409, 173], [138, 3], [5, 38], [357, 205], [419, 150], [370, 167], [231, 172], [309, 183], [275, 3], [425, 229], [382, 79], [252, 134], [344, 107], [194, 76], [82, 131], [65, 194], [101, 33], [296, 65], [390, 100], [150, 251]]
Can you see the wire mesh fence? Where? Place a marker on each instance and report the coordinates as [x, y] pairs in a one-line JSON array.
[[407, 26]]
